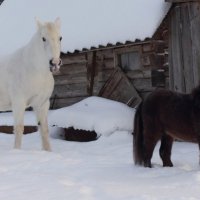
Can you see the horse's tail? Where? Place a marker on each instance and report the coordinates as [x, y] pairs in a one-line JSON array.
[[138, 147]]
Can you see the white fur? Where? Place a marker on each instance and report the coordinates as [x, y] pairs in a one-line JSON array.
[[26, 80]]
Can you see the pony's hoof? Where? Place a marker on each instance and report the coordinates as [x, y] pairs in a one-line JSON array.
[[168, 165], [147, 164]]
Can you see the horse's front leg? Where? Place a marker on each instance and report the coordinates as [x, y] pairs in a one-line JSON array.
[[18, 114], [42, 113]]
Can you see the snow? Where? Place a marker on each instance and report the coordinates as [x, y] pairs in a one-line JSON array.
[[98, 170], [109, 116], [6, 119], [84, 23]]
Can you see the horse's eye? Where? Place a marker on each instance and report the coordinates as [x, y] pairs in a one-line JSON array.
[[44, 39], [60, 38]]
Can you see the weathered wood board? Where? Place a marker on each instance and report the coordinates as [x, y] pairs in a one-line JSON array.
[[84, 74], [119, 88], [184, 47]]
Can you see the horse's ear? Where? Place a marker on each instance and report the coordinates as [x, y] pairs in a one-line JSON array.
[[58, 22], [38, 23]]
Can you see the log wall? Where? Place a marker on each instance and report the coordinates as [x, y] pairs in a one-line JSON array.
[[83, 74]]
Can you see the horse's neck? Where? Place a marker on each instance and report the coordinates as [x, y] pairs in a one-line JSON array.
[[34, 51]]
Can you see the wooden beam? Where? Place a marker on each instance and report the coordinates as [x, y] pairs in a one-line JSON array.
[[91, 66]]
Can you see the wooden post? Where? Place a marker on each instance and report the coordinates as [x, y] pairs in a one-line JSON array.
[[91, 66], [176, 53], [195, 32]]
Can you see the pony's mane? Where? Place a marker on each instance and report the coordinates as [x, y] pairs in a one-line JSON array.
[[196, 90], [196, 96]]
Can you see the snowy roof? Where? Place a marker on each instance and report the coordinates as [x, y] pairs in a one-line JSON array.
[[84, 23]]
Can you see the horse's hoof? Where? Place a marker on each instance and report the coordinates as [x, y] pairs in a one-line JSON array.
[[47, 149]]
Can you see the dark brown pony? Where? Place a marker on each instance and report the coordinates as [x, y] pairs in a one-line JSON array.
[[165, 115]]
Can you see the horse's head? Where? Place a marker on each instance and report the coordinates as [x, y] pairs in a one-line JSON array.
[[51, 41]]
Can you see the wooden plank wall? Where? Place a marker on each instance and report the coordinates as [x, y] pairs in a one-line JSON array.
[[184, 47], [175, 53], [194, 10], [84, 74], [153, 56], [81, 75], [71, 83], [104, 68]]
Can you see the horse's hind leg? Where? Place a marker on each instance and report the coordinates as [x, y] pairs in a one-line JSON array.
[[42, 113], [165, 150]]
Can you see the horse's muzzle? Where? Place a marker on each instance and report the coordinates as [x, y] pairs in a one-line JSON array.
[[55, 65]]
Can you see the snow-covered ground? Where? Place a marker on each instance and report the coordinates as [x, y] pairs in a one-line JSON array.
[[98, 170]]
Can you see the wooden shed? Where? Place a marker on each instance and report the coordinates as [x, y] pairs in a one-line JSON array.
[[128, 72], [184, 44], [123, 72]]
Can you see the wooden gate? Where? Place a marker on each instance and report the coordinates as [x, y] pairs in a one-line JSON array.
[[119, 88]]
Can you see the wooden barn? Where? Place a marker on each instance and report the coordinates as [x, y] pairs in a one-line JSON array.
[[128, 72], [124, 72]]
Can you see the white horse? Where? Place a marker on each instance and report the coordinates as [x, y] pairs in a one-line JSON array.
[[26, 79]]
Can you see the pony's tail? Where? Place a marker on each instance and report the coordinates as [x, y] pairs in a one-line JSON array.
[[138, 147]]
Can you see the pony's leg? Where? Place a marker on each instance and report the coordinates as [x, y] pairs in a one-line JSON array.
[[165, 150], [198, 139], [150, 141], [18, 113], [41, 113], [148, 153]]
